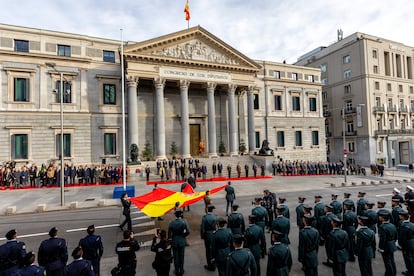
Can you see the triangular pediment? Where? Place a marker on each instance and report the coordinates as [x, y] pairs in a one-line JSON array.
[[194, 46]]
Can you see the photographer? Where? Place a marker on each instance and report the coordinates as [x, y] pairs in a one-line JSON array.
[[269, 202], [125, 249], [163, 256]]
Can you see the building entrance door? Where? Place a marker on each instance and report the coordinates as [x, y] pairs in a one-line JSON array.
[[404, 153], [194, 139]]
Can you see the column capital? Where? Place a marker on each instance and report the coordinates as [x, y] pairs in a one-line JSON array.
[[251, 88], [232, 88], [184, 84], [132, 80], [211, 86], [159, 83]]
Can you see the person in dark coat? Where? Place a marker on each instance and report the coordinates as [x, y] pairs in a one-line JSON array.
[[365, 246], [255, 240], [220, 169], [387, 237], [79, 266], [192, 181], [281, 224], [30, 268], [396, 193], [308, 247], [235, 221], [319, 209], [223, 242], [300, 212], [372, 216], [325, 228], [126, 205], [282, 203], [406, 241], [207, 228], [348, 201], [53, 254], [395, 213], [240, 261], [125, 249], [337, 206], [178, 230], [12, 254], [279, 258], [163, 254], [246, 170], [261, 214], [92, 248], [230, 196], [350, 224], [337, 247], [361, 203]]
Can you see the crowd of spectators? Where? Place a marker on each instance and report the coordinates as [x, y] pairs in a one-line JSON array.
[[300, 167]]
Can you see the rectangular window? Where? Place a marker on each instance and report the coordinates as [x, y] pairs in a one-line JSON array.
[[401, 103], [411, 90], [315, 138], [20, 146], [21, 46], [298, 138], [380, 145], [377, 85], [278, 102], [378, 101], [109, 56], [346, 59], [257, 138], [63, 50], [347, 89], [67, 92], [312, 104], [109, 143], [323, 68], [347, 74], [280, 139], [276, 74], [351, 146], [66, 145], [296, 103], [294, 76], [390, 103], [375, 69], [21, 90], [311, 78], [400, 88], [412, 105], [374, 54], [256, 101], [109, 91]]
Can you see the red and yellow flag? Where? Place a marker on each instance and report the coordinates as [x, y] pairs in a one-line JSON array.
[[187, 11]]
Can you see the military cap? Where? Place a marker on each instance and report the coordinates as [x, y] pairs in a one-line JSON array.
[[370, 204], [178, 213], [301, 198], [308, 216], [334, 195], [347, 194], [329, 206], [396, 190], [364, 219], [234, 207], [10, 234], [277, 234], [348, 203], [384, 213], [257, 199], [410, 188], [362, 193], [383, 203], [238, 238], [307, 207], [211, 207], [53, 231], [403, 213], [266, 191], [252, 218], [336, 219], [282, 199], [318, 196], [281, 208]]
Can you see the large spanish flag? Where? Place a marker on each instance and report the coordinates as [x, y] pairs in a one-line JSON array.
[[161, 201], [187, 11]]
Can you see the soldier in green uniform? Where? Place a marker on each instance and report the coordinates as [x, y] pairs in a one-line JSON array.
[[230, 196], [178, 230], [381, 208], [240, 262], [235, 221], [361, 203], [406, 241], [372, 216], [309, 247], [319, 210], [279, 258], [281, 224], [255, 240], [365, 246], [337, 247], [282, 203], [337, 210], [261, 214], [395, 213], [350, 224], [207, 228], [223, 241], [348, 201], [387, 236], [325, 229], [300, 212]]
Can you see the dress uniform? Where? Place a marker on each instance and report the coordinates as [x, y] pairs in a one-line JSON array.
[[365, 247], [12, 254], [337, 206], [125, 249], [178, 230], [406, 241], [235, 221], [300, 212], [325, 228], [381, 208], [350, 224], [230, 196], [223, 241], [286, 212], [79, 266], [261, 214], [92, 248], [207, 228], [387, 237], [281, 224], [53, 254], [255, 240], [240, 261], [319, 209], [348, 201], [371, 215], [279, 258], [308, 247], [29, 268], [361, 203], [337, 247], [395, 213]]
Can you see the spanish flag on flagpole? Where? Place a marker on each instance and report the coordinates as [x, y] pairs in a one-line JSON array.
[[187, 11]]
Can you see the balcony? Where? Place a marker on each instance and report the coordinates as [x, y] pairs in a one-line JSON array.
[[392, 109], [327, 113], [350, 133], [403, 109], [349, 110], [387, 132], [379, 109]]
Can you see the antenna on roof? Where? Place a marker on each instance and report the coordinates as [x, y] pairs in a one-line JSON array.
[[340, 34]]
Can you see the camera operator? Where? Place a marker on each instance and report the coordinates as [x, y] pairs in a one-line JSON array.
[[127, 260], [163, 255], [269, 202]]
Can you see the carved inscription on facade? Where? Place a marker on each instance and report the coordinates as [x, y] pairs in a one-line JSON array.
[[207, 76]]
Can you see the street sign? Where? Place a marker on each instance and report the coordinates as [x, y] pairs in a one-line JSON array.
[[345, 151]]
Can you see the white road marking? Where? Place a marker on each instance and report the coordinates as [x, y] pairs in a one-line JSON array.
[[96, 227], [28, 235], [383, 195]]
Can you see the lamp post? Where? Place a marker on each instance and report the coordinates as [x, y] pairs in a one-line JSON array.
[[62, 169]]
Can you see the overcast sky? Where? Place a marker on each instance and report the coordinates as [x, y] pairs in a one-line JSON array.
[[273, 30]]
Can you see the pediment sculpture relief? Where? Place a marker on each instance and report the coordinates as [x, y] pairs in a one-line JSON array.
[[195, 50]]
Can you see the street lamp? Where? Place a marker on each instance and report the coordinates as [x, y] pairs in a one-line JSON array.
[[62, 169]]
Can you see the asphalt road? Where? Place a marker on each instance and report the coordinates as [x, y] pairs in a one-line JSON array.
[[33, 228]]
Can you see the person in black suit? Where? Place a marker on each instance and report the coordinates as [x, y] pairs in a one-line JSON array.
[[126, 204], [53, 254]]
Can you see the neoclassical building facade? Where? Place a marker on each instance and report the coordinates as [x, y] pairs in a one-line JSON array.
[[185, 89]]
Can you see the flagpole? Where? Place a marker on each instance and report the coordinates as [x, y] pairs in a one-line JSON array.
[[124, 172]]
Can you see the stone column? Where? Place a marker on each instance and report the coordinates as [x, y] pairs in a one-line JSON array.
[[132, 83], [232, 121], [185, 124], [159, 119], [212, 146], [250, 120]]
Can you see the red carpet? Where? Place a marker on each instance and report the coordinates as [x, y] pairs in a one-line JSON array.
[[214, 179]]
